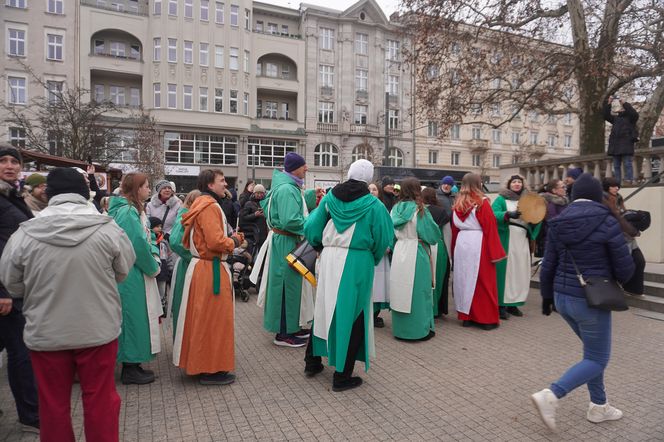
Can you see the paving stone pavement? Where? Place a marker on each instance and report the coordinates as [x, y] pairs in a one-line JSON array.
[[464, 384]]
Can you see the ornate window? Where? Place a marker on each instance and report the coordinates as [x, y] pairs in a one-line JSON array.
[[396, 157], [361, 151], [326, 155]]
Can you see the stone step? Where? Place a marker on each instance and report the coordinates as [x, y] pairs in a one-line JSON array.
[[653, 288], [654, 277], [653, 303]]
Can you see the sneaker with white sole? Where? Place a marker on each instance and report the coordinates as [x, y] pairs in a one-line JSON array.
[[546, 403], [601, 413], [289, 341]]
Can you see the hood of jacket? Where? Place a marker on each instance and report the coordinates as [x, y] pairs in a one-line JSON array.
[[555, 199], [578, 221], [346, 213], [202, 202], [402, 212], [512, 195], [171, 202], [6, 188], [68, 220]]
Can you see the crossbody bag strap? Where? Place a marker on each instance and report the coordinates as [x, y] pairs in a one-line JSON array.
[[163, 220], [579, 276]]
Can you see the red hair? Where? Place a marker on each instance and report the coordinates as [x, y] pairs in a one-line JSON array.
[[470, 195]]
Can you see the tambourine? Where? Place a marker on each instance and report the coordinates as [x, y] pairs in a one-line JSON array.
[[532, 208]]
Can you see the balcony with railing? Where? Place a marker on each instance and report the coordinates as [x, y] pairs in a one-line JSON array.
[[477, 146], [125, 6], [276, 33], [116, 51], [361, 94], [328, 127], [363, 129], [326, 91]]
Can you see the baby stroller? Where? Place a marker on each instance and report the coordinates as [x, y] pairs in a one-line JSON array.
[[241, 262]]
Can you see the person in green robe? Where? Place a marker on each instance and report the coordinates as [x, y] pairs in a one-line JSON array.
[[184, 257], [513, 274], [141, 304], [440, 217], [280, 293], [354, 230], [411, 277]]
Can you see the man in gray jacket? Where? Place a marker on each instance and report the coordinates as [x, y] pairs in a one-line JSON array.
[[446, 200], [65, 264]]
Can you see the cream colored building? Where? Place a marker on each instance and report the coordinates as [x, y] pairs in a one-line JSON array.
[[236, 84]]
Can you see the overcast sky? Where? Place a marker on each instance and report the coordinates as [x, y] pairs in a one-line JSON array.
[[389, 6]]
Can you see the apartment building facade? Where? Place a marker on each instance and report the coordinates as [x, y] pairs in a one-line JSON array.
[[236, 84]]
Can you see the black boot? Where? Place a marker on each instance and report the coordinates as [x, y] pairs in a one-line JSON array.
[[378, 321], [218, 378], [502, 312], [134, 374], [312, 364], [514, 311], [343, 383]]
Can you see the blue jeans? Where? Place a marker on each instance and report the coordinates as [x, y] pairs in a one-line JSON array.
[[19, 368], [627, 160], [593, 327]]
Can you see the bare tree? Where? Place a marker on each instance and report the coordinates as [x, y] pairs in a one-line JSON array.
[[145, 146], [66, 121], [472, 56]]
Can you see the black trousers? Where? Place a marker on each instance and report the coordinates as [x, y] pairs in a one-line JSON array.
[[19, 368], [635, 284], [444, 303], [354, 345]]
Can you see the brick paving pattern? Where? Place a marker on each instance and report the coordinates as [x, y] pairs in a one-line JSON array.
[[464, 384]]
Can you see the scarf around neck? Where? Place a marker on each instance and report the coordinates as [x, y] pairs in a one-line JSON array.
[[298, 181]]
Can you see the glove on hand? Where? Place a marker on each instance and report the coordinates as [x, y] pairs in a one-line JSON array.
[[547, 306], [513, 214]]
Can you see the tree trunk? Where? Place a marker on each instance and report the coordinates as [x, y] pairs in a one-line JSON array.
[[649, 115], [591, 126]]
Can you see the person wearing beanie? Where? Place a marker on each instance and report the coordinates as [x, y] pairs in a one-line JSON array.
[[571, 175], [624, 134], [35, 197], [386, 192], [82, 256], [164, 205], [587, 235], [354, 230], [252, 217], [287, 300], [14, 211], [204, 344], [445, 196], [515, 236]]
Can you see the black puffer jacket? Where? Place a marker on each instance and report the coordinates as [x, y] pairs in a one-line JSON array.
[[13, 211], [587, 231], [623, 130]]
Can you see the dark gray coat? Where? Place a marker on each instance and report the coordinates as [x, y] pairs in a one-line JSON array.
[[623, 130]]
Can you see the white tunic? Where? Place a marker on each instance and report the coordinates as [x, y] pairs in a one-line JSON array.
[[467, 252], [517, 275]]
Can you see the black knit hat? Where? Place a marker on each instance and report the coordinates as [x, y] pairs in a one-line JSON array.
[[587, 187], [154, 222], [6, 149], [66, 180], [386, 181], [610, 182]]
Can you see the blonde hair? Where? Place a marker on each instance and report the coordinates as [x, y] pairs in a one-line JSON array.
[[190, 198], [470, 195]]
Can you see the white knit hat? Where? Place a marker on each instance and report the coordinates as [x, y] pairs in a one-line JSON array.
[[361, 170]]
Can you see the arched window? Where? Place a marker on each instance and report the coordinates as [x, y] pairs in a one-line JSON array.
[[326, 155], [361, 151], [396, 157]]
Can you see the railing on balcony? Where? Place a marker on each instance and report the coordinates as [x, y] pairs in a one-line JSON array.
[[361, 94], [394, 100], [278, 34], [132, 57], [328, 127], [395, 132], [327, 90], [125, 6], [288, 77], [646, 163], [363, 129], [478, 145]]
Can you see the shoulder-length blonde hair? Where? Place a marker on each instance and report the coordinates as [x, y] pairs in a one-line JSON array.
[[470, 195], [190, 198], [129, 189]]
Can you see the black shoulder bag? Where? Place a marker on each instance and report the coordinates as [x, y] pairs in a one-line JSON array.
[[601, 292]]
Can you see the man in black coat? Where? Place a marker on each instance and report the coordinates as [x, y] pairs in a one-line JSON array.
[[14, 211], [623, 118]]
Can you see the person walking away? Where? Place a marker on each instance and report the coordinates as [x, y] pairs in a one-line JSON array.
[[586, 234], [440, 217], [65, 265], [446, 193], [164, 205], [141, 305], [412, 275], [354, 230], [381, 281], [623, 118], [252, 216], [182, 262], [287, 301], [12, 322], [204, 341], [614, 201], [476, 249], [35, 197], [515, 236]]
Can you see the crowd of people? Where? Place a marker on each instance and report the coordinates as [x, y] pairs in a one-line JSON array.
[[81, 287]]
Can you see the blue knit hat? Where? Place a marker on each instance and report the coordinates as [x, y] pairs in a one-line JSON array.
[[447, 180], [587, 187], [574, 172], [293, 161]]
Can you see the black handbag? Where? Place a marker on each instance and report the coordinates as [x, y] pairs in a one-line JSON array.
[[602, 292]]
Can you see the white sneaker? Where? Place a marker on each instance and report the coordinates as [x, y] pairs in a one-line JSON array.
[[546, 403], [601, 413]]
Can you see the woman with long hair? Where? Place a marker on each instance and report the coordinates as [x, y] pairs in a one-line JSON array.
[[184, 257], [141, 304], [515, 236], [441, 218], [246, 193], [411, 278], [381, 282], [476, 249]]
